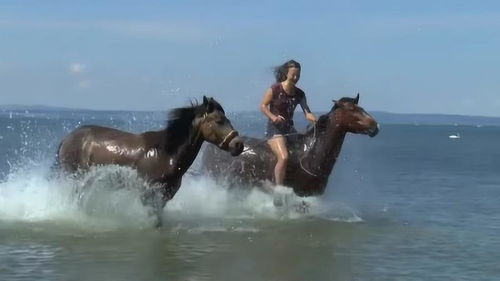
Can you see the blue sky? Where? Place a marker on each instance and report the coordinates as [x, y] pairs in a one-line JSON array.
[[402, 56]]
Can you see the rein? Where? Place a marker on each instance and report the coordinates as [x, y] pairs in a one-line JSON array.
[[303, 156]]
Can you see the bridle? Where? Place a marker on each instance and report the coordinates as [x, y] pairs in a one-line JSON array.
[[225, 141]]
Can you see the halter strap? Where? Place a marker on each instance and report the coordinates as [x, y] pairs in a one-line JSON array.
[[231, 135]]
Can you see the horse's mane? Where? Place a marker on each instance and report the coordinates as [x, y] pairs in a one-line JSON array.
[[180, 123], [343, 100], [322, 122]]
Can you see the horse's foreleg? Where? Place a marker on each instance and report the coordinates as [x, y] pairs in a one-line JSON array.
[[165, 193], [154, 198], [158, 205], [158, 196]]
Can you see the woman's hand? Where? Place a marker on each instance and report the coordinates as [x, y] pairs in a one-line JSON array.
[[278, 119], [311, 117]]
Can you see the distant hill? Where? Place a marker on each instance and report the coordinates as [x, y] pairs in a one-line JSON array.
[[435, 119], [381, 116]]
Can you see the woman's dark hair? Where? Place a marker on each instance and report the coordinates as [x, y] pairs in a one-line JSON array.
[[281, 71]]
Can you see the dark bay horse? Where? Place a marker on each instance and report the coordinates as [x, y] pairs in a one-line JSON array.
[[160, 157], [311, 155]]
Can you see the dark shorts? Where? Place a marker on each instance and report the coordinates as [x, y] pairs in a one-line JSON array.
[[280, 129]]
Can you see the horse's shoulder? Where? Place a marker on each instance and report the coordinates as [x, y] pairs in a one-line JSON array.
[[153, 139]]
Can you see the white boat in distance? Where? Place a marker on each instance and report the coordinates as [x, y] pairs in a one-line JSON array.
[[457, 136]]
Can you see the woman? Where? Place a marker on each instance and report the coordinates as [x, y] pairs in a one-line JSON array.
[[278, 105]]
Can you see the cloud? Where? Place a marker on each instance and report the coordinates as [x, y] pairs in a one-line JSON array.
[[76, 68]]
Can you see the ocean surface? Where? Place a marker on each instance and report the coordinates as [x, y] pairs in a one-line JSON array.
[[409, 204]]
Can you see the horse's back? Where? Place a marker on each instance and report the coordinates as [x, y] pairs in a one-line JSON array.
[[70, 149], [241, 169], [254, 165], [90, 144]]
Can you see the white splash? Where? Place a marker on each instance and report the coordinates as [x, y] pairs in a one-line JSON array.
[[105, 198], [203, 197], [109, 197]]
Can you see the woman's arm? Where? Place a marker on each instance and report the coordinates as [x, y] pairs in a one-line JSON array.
[[307, 111], [264, 107]]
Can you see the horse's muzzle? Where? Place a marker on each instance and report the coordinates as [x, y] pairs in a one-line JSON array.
[[374, 131], [236, 146]]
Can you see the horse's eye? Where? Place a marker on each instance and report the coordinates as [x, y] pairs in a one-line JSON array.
[[219, 121]]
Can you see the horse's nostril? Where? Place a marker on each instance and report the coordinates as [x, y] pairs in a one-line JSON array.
[[239, 146], [374, 131], [236, 146]]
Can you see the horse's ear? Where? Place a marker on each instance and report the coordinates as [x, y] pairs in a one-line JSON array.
[[208, 103], [356, 100]]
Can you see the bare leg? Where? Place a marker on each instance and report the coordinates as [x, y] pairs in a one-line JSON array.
[[279, 148]]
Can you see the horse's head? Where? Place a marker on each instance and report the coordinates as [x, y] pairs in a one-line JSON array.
[[353, 118], [215, 128]]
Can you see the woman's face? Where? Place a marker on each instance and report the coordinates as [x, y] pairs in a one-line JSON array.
[[293, 75]]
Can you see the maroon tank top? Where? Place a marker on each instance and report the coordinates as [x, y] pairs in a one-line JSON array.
[[284, 104]]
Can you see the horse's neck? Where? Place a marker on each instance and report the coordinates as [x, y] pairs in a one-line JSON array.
[[322, 155], [186, 153]]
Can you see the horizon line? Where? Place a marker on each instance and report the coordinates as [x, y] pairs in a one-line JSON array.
[[48, 107]]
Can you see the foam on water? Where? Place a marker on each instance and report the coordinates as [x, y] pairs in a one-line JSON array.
[[105, 198], [29, 196], [203, 197], [110, 197]]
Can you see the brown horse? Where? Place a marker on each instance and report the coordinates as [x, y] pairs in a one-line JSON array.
[[160, 157], [311, 155]]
